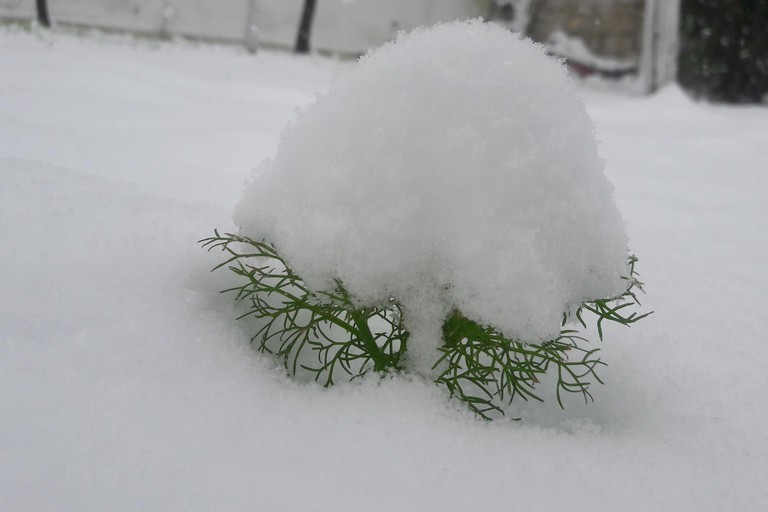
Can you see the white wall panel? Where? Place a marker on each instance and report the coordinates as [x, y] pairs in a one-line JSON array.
[[341, 26], [18, 9], [221, 19], [354, 26], [278, 21], [139, 15]]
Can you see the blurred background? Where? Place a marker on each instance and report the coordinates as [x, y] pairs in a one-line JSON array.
[[716, 49]]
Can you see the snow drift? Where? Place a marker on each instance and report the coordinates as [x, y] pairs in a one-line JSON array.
[[452, 168]]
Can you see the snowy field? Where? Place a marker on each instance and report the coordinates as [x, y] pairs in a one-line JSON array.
[[125, 384]]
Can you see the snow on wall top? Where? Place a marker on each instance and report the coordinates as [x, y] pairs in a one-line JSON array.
[[454, 167]]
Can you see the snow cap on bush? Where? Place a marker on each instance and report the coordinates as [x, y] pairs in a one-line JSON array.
[[452, 168]]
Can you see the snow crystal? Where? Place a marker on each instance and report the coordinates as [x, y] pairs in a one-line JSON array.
[[452, 168]]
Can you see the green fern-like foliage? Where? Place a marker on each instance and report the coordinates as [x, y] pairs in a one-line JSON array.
[[323, 334]]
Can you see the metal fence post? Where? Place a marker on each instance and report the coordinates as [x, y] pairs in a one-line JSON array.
[[42, 13]]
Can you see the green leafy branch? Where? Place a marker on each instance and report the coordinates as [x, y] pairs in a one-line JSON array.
[[613, 309], [485, 369], [323, 334], [294, 320]]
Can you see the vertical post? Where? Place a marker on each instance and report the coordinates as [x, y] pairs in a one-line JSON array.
[[251, 37], [658, 61], [168, 14], [669, 41], [42, 13], [305, 28], [648, 49]]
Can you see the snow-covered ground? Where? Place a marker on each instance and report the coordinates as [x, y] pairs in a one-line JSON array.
[[126, 385]]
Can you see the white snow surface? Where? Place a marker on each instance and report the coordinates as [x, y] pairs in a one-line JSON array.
[[453, 168], [126, 385]]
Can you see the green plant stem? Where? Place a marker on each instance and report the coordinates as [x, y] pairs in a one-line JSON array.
[[360, 319]]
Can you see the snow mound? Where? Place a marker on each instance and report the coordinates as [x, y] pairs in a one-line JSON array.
[[452, 168]]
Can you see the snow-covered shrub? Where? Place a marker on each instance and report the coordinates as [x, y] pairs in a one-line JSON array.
[[441, 209]]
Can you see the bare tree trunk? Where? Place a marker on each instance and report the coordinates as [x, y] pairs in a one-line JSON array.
[[305, 29], [42, 13]]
